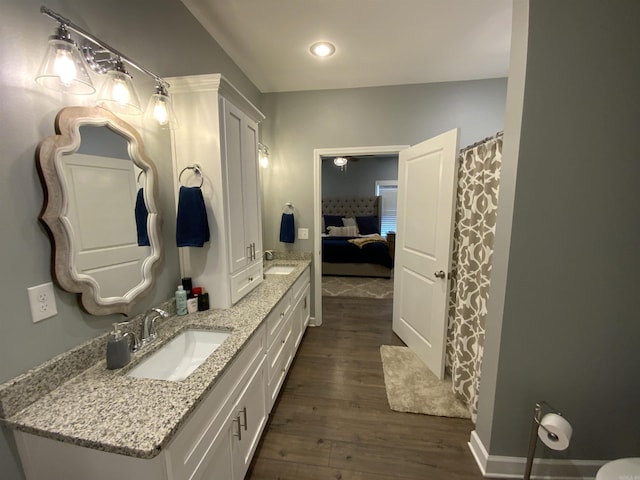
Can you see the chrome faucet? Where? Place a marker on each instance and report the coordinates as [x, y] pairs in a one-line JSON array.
[[148, 331]]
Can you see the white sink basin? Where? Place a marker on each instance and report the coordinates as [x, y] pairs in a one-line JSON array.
[[280, 270], [179, 357]]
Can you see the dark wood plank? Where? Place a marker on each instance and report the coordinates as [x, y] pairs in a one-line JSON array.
[[332, 419]]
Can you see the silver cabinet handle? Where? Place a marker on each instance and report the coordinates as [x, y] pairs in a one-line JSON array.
[[440, 274], [244, 414], [305, 303], [239, 433], [249, 252]]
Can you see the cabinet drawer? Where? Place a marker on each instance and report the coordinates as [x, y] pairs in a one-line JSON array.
[[300, 284], [278, 369], [277, 318], [245, 281], [279, 348], [207, 424]]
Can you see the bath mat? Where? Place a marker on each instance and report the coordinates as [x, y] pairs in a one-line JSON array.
[[412, 387]]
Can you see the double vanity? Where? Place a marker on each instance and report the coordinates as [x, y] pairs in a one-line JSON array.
[[159, 417]]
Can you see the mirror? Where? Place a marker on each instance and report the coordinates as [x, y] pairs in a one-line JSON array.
[[100, 209]]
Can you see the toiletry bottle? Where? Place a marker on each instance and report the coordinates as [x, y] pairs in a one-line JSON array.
[[118, 348], [187, 284], [192, 300], [203, 301], [181, 301]]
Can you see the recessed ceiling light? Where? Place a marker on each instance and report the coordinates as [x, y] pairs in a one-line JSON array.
[[323, 49]]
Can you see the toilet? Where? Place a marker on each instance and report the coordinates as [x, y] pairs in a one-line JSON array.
[[621, 469]]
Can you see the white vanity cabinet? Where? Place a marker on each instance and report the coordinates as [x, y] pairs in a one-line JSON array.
[[286, 325], [301, 311], [219, 438], [216, 442], [279, 347], [219, 132]]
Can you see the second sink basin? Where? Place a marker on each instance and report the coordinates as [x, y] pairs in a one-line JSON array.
[[280, 270], [179, 357]]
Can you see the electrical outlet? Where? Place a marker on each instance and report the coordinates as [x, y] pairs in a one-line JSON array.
[[42, 302], [303, 233]]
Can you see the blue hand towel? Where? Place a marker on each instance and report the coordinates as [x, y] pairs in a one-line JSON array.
[[192, 226], [141, 214], [287, 229]]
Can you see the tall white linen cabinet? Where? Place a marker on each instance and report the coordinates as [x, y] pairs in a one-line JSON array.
[[218, 131]]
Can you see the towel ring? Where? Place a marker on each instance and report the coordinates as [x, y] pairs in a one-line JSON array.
[[198, 171], [138, 179], [286, 206]]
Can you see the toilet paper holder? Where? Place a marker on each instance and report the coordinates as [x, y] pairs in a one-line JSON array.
[[533, 441]]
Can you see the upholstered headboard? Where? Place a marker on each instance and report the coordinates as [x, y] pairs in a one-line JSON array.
[[353, 207]]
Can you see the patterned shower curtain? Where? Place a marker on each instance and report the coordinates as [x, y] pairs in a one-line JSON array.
[[476, 212]]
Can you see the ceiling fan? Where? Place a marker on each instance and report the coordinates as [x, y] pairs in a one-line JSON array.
[[342, 160]]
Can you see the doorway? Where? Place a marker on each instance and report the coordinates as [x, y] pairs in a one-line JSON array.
[[317, 206]]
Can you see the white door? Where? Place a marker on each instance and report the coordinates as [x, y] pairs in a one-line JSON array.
[[426, 204]]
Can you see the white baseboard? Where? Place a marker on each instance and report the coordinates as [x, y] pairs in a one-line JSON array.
[[496, 466]]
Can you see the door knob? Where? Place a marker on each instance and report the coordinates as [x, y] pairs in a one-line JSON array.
[[440, 274]]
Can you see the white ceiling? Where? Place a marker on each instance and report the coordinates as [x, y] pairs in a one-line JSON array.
[[378, 42]]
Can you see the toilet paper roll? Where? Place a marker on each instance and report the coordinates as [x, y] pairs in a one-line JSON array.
[[556, 424]]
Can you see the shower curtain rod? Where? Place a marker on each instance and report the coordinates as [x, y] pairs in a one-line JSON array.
[[499, 134]]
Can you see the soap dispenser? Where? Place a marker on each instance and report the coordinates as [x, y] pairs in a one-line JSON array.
[[118, 348]]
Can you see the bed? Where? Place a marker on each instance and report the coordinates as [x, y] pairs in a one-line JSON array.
[[340, 256]]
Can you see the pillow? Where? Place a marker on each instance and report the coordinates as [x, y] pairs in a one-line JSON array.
[[368, 225], [343, 231], [350, 222], [332, 221]]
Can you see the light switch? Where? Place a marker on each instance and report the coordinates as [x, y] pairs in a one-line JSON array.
[[303, 234]]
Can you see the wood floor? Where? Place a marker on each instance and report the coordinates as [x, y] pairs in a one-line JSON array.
[[332, 419]]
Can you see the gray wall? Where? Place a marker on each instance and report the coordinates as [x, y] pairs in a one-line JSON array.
[[163, 37], [299, 122], [569, 315], [359, 178]]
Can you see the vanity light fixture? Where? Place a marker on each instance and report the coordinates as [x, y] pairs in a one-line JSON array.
[[340, 162], [63, 69], [323, 49], [263, 154]]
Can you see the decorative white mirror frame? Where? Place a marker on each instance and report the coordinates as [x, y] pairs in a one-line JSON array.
[[54, 212]]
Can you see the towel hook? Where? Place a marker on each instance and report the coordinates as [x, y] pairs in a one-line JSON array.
[[287, 205], [198, 171], [138, 179]]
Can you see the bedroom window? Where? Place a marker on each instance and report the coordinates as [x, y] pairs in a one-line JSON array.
[[388, 190]]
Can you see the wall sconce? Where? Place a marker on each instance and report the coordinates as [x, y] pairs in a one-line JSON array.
[[263, 155], [340, 162], [63, 69]]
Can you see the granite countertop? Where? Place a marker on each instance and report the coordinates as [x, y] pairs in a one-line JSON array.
[[107, 410]]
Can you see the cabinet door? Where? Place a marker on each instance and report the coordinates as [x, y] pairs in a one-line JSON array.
[[231, 147], [250, 419], [219, 460], [251, 188]]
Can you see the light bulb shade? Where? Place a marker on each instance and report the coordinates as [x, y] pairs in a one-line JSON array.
[[263, 155], [340, 161], [62, 69], [118, 94], [160, 111]]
